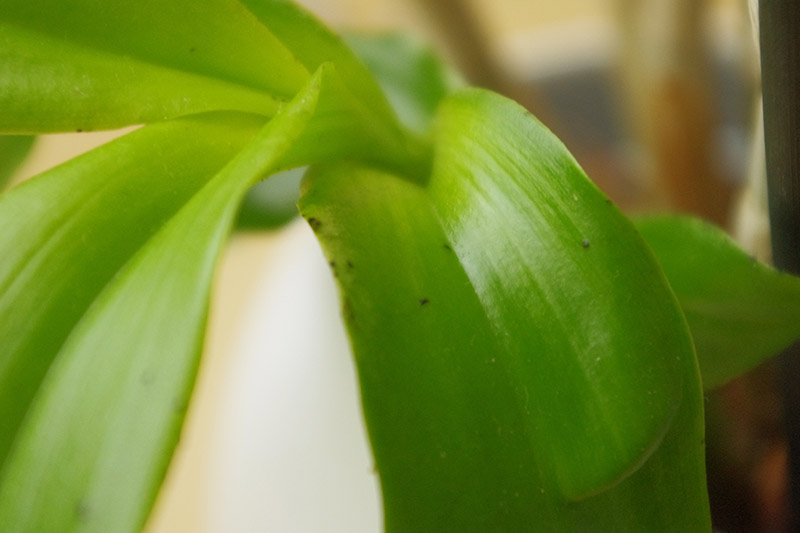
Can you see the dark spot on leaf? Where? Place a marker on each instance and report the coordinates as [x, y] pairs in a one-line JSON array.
[[332, 264], [423, 301], [179, 405], [192, 49], [348, 313], [79, 130], [82, 511], [585, 243], [447, 247], [608, 201], [314, 223], [349, 265]]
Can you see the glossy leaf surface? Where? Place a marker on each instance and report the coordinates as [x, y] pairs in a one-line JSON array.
[[523, 364], [93, 64], [740, 311]]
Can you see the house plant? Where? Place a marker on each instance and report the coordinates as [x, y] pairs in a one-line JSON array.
[[523, 353]]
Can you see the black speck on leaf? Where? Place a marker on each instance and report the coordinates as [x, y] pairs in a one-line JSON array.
[[179, 405], [79, 130], [349, 264], [447, 247], [585, 243], [608, 201], [423, 301], [348, 313], [315, 224]]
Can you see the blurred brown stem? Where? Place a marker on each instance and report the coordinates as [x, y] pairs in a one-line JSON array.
[[665, 68]]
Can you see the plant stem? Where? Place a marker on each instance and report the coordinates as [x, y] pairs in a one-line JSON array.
[[780, 73]]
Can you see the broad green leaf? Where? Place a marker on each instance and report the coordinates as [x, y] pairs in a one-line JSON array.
[[93, 64], [65, 234], [740, 311], [530, 223], [13, 149], [523, 364], [96, 441], [414, 78]]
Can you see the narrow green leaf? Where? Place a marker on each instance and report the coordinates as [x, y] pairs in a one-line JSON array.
[[13, 149], [412, 76], [314, 44], [344, 127], [96, 441], [377, 133], [740, 311], [523, 364], [65, 234], [92, 64]]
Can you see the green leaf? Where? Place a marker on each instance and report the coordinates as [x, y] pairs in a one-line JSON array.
[[523, 364], [314, 44], [93, 64], [65, 234], [413, 77], [740, 311], [13, 149], [95, 443], [344, 127], [92, 448]]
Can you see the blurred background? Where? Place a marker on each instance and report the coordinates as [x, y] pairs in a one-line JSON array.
[[659, 100]]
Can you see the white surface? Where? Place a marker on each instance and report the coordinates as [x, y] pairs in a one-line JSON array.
[[292, 451]]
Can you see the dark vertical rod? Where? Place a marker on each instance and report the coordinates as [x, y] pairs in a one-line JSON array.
[[779, 22]]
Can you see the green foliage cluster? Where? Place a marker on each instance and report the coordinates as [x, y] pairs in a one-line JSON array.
[[529, 358]]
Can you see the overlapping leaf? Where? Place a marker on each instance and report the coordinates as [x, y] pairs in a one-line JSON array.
[[314, 44], [92, 64], [740, 312], [131, 309], [517, 346], [66, 233], [523, 363], [414, 79]]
